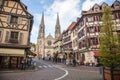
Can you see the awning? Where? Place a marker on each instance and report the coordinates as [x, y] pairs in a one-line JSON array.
[[96, 53], [31, 53], [12, 52]]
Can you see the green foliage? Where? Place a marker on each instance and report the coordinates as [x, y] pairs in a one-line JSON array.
[[109, 41]]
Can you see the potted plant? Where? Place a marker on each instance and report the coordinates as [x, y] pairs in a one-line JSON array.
[[109, 47]]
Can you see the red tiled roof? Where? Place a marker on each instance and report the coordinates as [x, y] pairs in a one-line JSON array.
[[72, 25]]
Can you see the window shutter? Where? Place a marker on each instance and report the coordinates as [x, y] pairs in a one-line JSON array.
[[86, 19], [7, 36], [20, 37], [8, 18], [94, 18], [98, 28], [96, 41], [88, 29], [95, 28], [19, 20]]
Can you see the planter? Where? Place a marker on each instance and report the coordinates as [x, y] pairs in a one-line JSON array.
[[111, 74]]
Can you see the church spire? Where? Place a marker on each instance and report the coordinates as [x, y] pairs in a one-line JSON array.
[[42, 20], [42, 28], [57, 27]]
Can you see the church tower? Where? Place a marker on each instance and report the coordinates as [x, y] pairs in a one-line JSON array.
[[41, 33], [57, 27], [40, 40]]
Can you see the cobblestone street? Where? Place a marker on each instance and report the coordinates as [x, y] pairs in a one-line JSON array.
[[49, 71]]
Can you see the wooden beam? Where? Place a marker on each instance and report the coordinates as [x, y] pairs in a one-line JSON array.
[[7, 13], [12, 7]]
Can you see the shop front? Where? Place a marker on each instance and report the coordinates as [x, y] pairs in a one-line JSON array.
[[11, 58]]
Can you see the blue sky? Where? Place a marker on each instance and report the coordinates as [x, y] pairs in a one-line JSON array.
[[68, 11]]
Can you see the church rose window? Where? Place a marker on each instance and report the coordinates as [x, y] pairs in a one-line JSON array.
[[49, 42]]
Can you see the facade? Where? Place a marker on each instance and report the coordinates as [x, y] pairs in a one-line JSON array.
[[44, 47], [15, 28], [89, 29], [58, 47], [67, 42], [74, 39]]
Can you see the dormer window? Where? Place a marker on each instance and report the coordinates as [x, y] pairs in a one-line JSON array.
[[96, 8], [103, 5], [116, 5]]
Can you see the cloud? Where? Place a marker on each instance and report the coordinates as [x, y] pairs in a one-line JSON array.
[[90, 3], [68, 11], [42, 1]]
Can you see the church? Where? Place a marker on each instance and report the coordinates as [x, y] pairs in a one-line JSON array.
[[44, 46]]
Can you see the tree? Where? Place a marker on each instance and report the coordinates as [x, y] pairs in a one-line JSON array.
[[109, 41]]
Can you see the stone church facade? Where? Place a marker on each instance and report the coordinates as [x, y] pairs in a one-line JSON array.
[[44, 46]]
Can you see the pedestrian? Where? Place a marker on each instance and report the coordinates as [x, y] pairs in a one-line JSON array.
[[22, 62], [74, 62]]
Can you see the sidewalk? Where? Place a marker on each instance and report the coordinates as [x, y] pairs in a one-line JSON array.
[[17, 70]]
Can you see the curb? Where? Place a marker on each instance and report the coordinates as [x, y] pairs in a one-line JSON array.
[[19, 71]]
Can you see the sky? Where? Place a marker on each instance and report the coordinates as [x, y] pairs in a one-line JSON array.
[[68, 11]]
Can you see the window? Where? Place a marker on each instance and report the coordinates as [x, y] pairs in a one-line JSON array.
[[116, 5], [94, 41], [96, 8], [14, 19], [14, 37], [90, 19], [5, 3], [0, 2], [92, 29]]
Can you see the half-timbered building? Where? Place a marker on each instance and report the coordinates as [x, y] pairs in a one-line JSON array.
[[89, 29], [67, 43], [15, 29]]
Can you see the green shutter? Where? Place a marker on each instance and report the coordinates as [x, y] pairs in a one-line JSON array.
[[8, 18], [19, 20], [20, 37], [7, 36]]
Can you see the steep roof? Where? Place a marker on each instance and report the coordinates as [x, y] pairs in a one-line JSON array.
[[72, 25], [49, 36]]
